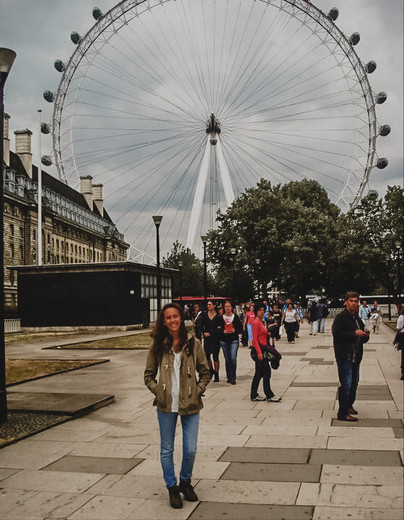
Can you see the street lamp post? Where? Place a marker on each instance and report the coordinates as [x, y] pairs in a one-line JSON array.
[[180, 266], [233, 252], [258, 261], [157, 221], [7, 57], [388, 284], [205, 274], [398, 246]]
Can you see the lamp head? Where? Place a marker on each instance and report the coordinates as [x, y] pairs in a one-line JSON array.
[[157, 220], [7, 57]]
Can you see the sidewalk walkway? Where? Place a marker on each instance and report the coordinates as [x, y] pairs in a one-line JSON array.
[[290, 460]]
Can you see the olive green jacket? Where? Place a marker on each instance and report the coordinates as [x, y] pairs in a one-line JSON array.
[[192, 387]]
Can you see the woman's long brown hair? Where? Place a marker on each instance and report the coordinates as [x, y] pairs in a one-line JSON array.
[[162, 339]]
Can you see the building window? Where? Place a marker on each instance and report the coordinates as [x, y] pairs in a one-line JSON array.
[[11, 230], [12, 250]]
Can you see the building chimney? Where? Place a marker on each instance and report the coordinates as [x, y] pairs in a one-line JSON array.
[[6, 141], [97, 198], [86, 189], [23, 148]]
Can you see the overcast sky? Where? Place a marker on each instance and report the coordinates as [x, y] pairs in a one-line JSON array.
[[39, 32]]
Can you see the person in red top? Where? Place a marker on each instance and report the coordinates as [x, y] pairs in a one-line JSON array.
[[262, 367], [248, 323]]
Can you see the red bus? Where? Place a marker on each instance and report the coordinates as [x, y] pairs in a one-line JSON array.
[[200, 300]]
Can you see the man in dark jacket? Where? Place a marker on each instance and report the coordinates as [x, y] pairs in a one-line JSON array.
[[349, 336]]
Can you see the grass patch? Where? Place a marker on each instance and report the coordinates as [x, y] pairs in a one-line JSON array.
[[134, 341], [21, 370]]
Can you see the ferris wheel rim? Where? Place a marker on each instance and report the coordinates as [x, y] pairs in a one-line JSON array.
[[302, 7]]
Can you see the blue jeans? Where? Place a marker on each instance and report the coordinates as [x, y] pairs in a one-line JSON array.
[[348, 373], [190, 426], [230, 356], [321, 325], [249, 332]]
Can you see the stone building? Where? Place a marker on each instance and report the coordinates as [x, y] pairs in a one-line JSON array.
[[76, 228]]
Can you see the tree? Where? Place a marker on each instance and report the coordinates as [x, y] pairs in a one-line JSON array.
[[191, 270], [288, 228]]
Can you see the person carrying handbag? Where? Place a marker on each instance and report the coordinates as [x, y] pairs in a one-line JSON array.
[[261, 359]]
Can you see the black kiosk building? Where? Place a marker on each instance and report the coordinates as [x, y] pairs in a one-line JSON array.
[[95, 294]]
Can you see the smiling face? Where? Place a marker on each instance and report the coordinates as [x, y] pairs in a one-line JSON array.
[[210, 306], [172, 320]]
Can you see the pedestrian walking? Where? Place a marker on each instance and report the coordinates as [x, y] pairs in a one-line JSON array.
[[229, 340], [290, 320], [259, 356], [314, 316], [349, 336], [248, 323], [399, 340], [197, 317], [211, 339], [364, 312], [183, 374]]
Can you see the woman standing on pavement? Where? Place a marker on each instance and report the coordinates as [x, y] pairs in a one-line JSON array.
[[211, 339], [177, 358], [229, 340], [258, 355], [290, 321], [248, 323]]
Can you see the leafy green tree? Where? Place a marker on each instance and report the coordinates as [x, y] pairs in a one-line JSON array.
[[191, 270], [288, 228], [367, 243]]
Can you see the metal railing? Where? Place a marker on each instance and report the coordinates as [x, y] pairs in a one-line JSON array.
[[12, 325]]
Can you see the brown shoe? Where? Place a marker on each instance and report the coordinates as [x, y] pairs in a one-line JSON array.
[[352, 411], [175, 497], [188, 491], [348, 418]]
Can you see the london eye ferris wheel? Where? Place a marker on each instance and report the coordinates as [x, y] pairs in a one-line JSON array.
[[176, 107]]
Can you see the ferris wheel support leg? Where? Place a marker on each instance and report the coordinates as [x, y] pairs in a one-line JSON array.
[[224, 174], [199, 195]]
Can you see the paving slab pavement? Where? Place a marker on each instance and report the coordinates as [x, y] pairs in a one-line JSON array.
[[290, 460]]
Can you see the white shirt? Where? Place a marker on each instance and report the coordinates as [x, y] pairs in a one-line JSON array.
[[290, 316], [400, 322], [175, 380]]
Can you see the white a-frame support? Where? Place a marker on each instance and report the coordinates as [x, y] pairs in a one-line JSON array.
[[213, 140]]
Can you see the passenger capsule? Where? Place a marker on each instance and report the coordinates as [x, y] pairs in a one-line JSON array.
[[333, 14], [59, 65], [354, 39], [381, 98], [370, 67], [97, 13], [48, 96], [46, 160], [373, 193], [75, 37], [45, 128], [382, 163], [384, 130]]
